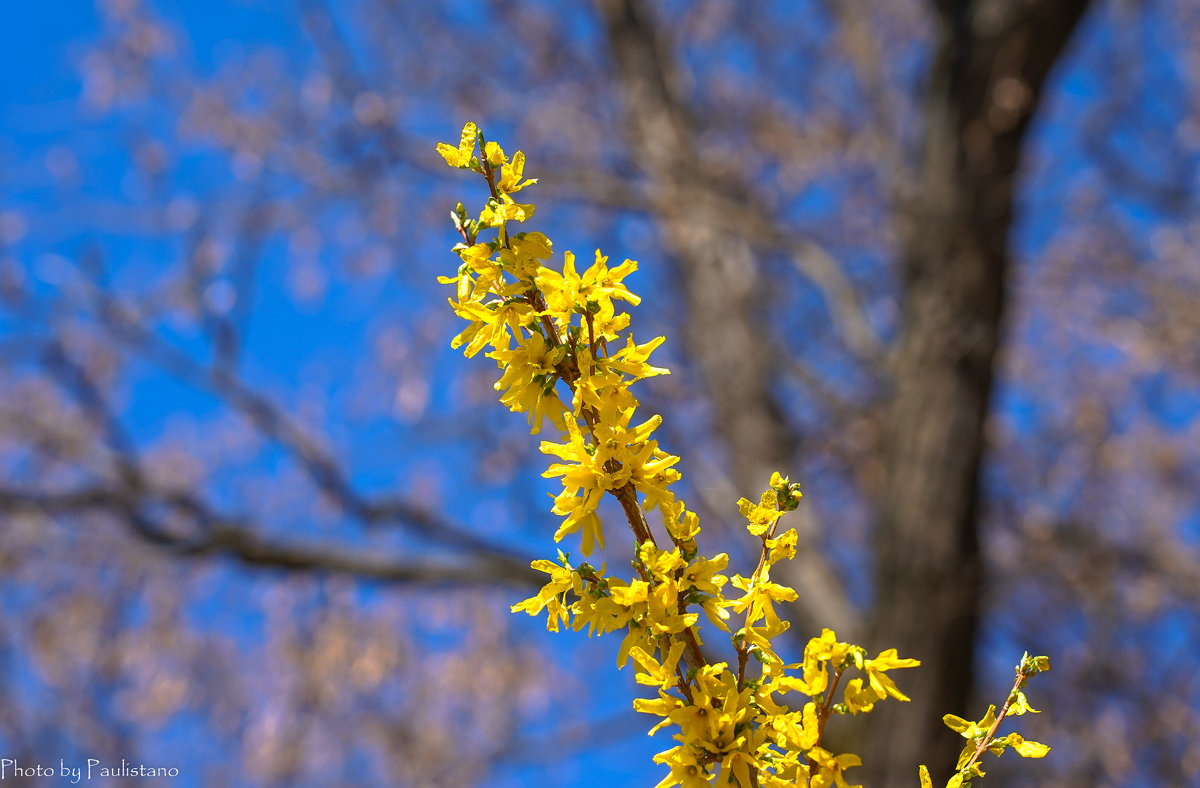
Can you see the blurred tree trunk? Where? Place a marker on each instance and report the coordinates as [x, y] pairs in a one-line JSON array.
[[726, 335], [991, 63], [718, 270]]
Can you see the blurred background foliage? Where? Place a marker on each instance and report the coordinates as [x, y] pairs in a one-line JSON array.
[[940, 261]]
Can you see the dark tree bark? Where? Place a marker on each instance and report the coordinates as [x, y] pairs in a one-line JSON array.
[[992, 62]]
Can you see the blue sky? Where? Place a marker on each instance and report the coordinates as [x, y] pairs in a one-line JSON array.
[[308, 353]]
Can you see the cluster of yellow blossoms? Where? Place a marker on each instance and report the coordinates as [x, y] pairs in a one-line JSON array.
[[558, 341]]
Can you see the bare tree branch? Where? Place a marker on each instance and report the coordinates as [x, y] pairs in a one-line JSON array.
[[134, 496], [218, 536]]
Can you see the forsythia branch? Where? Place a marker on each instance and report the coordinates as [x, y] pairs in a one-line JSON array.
[[566, 358], [981, 736]]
